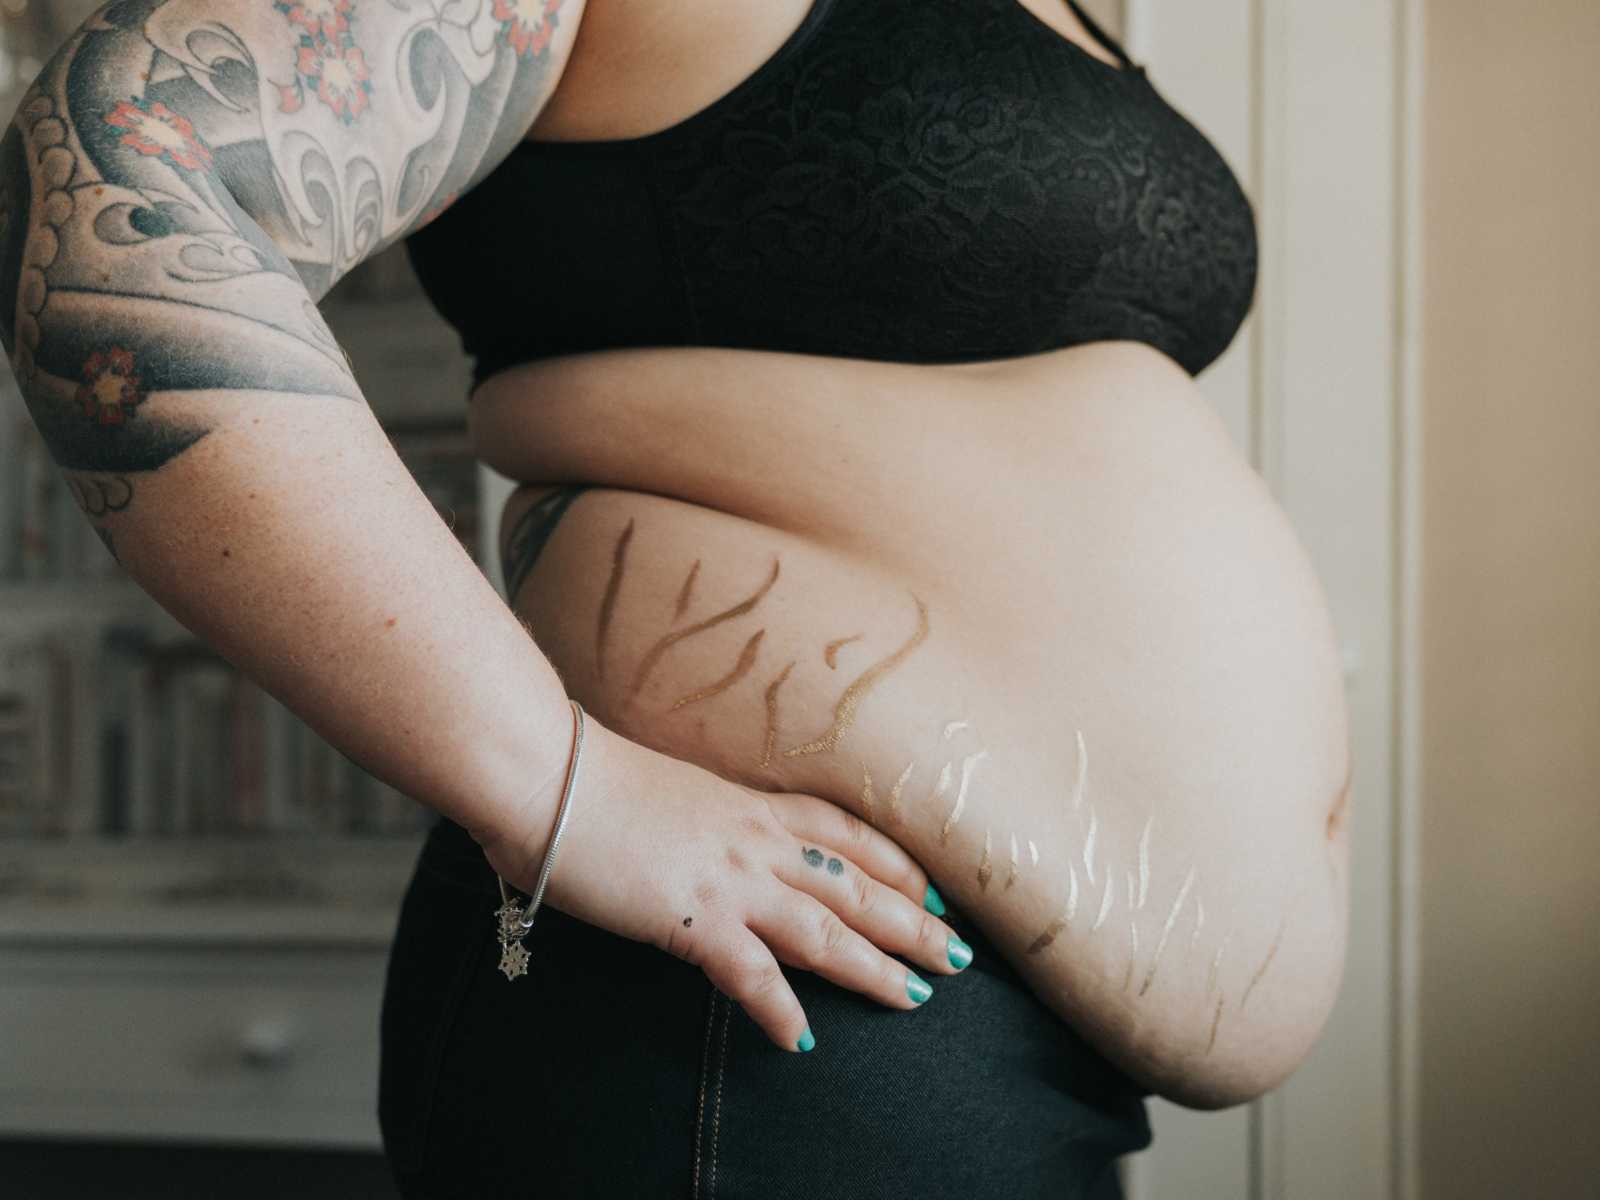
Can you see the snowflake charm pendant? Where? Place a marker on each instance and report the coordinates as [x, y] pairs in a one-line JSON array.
[[513, 960], [509, 929]]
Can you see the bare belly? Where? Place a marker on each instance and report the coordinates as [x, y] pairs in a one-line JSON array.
[[1037, 619]]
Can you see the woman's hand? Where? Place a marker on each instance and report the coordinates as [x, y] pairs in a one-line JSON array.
[[735, 881]]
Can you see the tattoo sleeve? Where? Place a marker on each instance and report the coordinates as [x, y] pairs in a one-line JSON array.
[[185, 179]]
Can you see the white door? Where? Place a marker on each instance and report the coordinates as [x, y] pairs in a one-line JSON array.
[[1304, 98]]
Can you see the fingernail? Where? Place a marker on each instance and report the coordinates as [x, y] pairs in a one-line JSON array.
[[806, 1041], [960, 953], [933, 902], [917, 987]]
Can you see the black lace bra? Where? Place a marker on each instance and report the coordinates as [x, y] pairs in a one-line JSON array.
[[916, 180]]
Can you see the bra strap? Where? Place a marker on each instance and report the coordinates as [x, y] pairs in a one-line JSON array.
[[1099, 34]]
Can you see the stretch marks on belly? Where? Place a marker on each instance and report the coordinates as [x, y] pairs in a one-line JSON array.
[[770, 742], [897, 792], [747, 659], [935, 797], [1105, 906], [844, 711], [1082, 780], [1265, 963], [608, 602], [967, 765], [667, 641], [1135, 882], [830, 652], [686, 592], [1216, 961], [1166, 930], [1134, 878]]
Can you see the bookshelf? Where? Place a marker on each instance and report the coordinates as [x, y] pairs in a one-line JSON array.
[[197, 892]]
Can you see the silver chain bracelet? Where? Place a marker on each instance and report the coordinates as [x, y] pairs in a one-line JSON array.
[[512, 919]]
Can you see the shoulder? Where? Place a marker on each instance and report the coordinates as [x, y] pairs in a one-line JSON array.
[[337, 126], [189, 173], [643, 66]]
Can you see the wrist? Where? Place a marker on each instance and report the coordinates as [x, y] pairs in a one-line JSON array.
[[614, 777], [517, 776]]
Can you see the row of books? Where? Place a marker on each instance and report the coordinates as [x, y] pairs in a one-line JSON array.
[[130, 735], [43, 533]]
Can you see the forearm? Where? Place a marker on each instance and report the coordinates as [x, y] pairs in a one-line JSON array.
[[293, 539]]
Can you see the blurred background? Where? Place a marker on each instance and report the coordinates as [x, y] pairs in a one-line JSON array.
[[196, 893]]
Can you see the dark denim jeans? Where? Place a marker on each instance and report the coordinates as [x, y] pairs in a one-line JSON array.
[[613, 1069]]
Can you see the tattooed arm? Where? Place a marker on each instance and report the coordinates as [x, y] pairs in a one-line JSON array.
[[177, 188]]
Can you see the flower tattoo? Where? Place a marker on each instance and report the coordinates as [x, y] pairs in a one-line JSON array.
[[154, 129], [110, 389], [327, 60], [528, 25], [340, 73], [326, 18]]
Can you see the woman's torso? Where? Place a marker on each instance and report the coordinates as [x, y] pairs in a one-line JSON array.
[[909, 585]]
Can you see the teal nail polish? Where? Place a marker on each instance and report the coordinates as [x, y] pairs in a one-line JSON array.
[[933, 902], [960, 953], [917, 988], [806, 1041]]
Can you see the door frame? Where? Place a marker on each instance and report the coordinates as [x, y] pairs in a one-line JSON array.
[[1317, 107]]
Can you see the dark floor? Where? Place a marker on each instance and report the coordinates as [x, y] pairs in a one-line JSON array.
[[70, 1170]]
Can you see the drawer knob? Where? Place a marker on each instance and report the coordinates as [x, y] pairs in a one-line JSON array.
[[267, 1043]]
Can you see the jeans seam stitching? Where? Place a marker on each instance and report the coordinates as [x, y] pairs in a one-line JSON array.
[[705, 1079], [716, 1113]]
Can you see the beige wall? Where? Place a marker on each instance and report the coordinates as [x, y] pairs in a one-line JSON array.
[[1511, 613]]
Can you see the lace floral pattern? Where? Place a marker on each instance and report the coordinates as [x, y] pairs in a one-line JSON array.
[[970, 186]]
